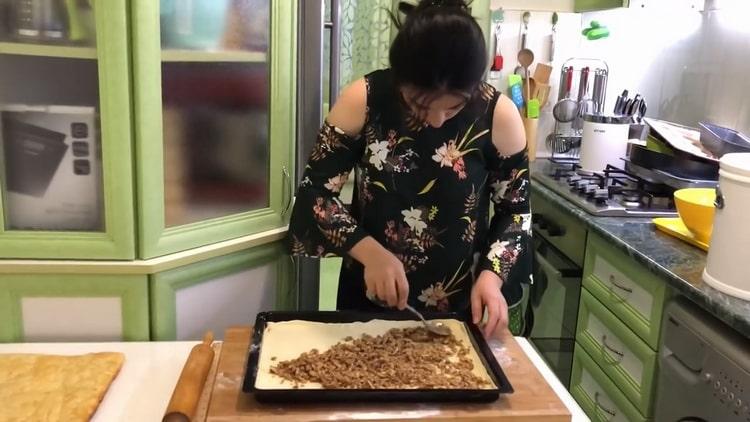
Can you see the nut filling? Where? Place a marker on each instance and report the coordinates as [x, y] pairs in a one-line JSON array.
[[409, 358]]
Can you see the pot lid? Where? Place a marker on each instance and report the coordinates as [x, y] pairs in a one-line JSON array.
[[737, 162]]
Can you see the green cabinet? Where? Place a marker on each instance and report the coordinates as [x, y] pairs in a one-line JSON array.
[[625, 287], [73, 307], [624, 357], [214, 90], [146, 167], [598, 395], [594, 5], [618, 332], [136, 129], [66, 146], [220, 292]]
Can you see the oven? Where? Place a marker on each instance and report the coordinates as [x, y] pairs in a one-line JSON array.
[[552, 308]]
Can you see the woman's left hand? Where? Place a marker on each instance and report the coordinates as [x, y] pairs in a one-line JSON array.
[[486, 294]]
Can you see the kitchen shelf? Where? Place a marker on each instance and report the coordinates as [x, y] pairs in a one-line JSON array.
[[47, 50], [234, 56], [75, 52]]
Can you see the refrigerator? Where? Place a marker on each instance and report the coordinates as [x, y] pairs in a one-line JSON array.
[[314, 29]]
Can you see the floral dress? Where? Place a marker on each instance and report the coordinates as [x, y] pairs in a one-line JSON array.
[[424, 194]]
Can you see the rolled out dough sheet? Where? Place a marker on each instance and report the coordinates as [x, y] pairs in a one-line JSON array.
[[288, 339]]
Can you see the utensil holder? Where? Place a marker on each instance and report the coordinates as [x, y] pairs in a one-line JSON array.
[[566, 130]]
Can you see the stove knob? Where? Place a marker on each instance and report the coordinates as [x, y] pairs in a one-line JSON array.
[[730, 396], [723, 391], [717, 384], [738, 403]]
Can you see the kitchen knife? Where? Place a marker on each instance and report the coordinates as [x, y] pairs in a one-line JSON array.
[[625, 106], [620, 102], [642, 110], [633, 105], [634, 110]]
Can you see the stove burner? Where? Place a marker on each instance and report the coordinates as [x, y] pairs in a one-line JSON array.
[[632, 196], [613, 191], [565, 170]]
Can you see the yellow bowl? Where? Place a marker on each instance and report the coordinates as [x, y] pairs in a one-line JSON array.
[[696, 209]]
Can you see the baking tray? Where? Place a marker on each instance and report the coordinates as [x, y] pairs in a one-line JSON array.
[[371, 395]]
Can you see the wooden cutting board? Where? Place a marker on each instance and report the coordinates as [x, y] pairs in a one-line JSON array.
[[533, 399]]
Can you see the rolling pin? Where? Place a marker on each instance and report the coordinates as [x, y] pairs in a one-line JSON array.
[[189, 386]]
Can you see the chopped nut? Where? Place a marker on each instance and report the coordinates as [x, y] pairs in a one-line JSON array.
[[402, 358]]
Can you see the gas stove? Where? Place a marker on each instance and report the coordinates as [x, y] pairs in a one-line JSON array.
[[610, 192]]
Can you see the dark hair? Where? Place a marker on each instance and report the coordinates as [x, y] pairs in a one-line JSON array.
[[439, 46]]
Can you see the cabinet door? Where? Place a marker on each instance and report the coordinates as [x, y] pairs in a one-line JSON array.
[[214, 94], [72, 307], [65, 138], [220, 293], [627, 288], [621, 354], [597, 395]]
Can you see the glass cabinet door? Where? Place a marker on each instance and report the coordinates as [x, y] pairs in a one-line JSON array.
[[65, 145], [214, 119]]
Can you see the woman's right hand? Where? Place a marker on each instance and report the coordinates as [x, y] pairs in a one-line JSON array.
[[384, 273]]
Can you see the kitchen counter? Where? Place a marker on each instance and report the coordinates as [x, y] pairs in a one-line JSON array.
[[538, 396], [676, 262], [145, 383], [142, 389]]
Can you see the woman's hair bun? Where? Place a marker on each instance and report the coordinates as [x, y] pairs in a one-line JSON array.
[[439, 46], [407, 8], [463, 4]]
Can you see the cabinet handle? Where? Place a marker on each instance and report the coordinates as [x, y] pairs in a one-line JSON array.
[[287, 183], [610, 412], [616, 352], [619, 286]]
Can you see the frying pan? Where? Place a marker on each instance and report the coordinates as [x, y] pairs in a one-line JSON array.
[[678, 165]]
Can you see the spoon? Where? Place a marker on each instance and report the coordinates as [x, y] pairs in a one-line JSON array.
[[434, 327], [525, 59]]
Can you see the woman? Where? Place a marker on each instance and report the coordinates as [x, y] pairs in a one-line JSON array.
[[432, 145]]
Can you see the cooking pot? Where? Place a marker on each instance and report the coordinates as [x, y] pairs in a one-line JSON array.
[[730, 240]]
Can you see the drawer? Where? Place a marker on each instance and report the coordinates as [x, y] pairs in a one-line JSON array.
[[626, 288], [565, 232], [622, 355], [597, 394]]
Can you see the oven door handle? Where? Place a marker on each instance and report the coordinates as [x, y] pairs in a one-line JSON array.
[[681, 370], [556, 273], [540, 222]]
